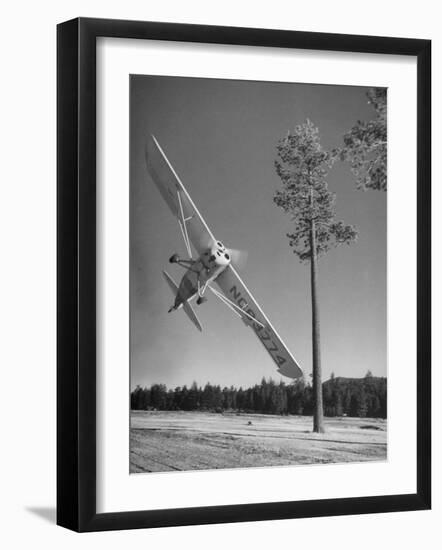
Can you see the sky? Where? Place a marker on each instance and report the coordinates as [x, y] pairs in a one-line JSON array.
[[220, 136]]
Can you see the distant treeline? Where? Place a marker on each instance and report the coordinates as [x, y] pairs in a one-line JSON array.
[[361, 397]]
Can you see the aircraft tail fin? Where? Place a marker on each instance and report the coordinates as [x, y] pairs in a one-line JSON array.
[[186, 306]]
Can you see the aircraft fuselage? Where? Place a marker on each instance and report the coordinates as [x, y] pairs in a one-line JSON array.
[[203, 271]]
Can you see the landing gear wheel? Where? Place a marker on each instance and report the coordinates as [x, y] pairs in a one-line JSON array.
[[201, 300], [173, 259]]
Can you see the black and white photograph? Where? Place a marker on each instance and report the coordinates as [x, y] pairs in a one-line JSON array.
[[258, 274], [220, 319]]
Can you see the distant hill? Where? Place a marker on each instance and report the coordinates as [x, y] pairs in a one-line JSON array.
[[355, 396], [345, 379]]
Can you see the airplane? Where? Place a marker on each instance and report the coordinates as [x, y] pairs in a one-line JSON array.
[[213, 264]]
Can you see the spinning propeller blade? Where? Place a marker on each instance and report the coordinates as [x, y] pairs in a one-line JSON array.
[[239, 257]]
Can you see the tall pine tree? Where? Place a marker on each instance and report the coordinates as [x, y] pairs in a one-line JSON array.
[[302, 165]]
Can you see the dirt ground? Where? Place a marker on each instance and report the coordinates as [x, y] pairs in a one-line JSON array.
[[165, 441]]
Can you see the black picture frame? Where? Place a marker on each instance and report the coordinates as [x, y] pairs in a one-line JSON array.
[[76, 274]]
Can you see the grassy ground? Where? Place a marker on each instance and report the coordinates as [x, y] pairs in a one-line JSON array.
[[167, 441]]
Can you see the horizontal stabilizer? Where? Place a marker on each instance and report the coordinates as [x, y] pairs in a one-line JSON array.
[[192, 316], [186, 306], [173, 286]]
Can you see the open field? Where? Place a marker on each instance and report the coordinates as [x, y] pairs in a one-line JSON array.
[[168, 441]]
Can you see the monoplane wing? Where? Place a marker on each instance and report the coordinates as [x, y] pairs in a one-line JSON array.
[[236, 292], [193, 227]]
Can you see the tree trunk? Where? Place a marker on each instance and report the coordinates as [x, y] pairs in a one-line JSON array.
[[318, 413]]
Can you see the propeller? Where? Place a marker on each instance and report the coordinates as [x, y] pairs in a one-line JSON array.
[[239, 257]]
